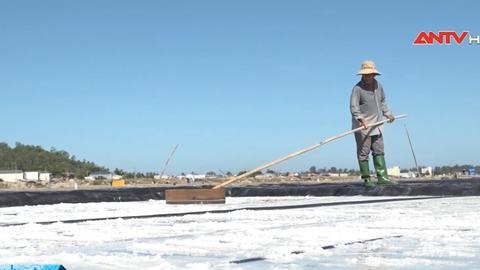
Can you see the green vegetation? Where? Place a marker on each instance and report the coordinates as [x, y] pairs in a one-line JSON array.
[[35, 158]]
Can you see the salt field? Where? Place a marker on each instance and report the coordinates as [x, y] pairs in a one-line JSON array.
[[438, 233]]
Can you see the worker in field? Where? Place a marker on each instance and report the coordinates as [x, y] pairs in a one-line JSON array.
[[368, 105]]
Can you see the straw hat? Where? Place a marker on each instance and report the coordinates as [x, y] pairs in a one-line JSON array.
[[368, 67]]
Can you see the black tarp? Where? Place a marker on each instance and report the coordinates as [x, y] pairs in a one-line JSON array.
[[461, 187]]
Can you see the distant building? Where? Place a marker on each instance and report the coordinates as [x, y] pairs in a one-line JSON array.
[[31, 176], [14, 176], [293, 174], [158, 177], [11, 176], [37, 176], [394, 171], [337, 174], [265, 176], [101, 176], [45, 177], [408, 174], [194, 177], [427, 171]]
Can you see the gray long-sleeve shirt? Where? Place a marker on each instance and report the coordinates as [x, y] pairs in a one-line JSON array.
[[368, 105]]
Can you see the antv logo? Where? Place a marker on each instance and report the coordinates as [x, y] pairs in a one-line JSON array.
[[445, 38]]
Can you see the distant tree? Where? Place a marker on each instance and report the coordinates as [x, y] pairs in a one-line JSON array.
[[333, 170], [35, 158], [256, 173], [229, 174], [119, 171], [129, 175], [211, 173], [312, 169], [241, 172], [150, 175]]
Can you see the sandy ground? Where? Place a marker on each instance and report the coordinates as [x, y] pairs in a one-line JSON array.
[[83, 184]]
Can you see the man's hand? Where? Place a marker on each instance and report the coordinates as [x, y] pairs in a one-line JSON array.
[[390, 118], [363, 123]]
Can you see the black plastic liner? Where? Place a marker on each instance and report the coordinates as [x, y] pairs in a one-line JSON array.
[[463, 187]]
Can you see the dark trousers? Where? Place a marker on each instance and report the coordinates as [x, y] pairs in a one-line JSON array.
[[366, 143]]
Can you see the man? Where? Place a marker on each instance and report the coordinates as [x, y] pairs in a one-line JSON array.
[[368, 105]]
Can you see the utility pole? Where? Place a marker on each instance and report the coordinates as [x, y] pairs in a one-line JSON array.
[[168, 160], [411, 148]]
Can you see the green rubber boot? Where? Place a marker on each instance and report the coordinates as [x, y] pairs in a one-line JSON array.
[[365, 172], [381, 169]]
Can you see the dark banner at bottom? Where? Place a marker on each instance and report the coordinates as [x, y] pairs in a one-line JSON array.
[[32, 267]]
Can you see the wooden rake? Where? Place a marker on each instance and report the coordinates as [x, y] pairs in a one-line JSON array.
[[217, 193]]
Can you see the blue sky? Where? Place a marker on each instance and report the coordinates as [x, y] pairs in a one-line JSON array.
[[235, 83]]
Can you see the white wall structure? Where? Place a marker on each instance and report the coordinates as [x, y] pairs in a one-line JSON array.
[[427, 171], [97, 176], [31, 176], [44, 176], [394, 171], [14, 176], [338, 174], [157, 176], [408, 175], [11, 176], [194, 177], [265, 176]]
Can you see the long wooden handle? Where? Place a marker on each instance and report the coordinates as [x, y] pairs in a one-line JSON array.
[[308, 149]]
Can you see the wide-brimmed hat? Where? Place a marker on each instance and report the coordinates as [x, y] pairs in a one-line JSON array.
[[368, 67]]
